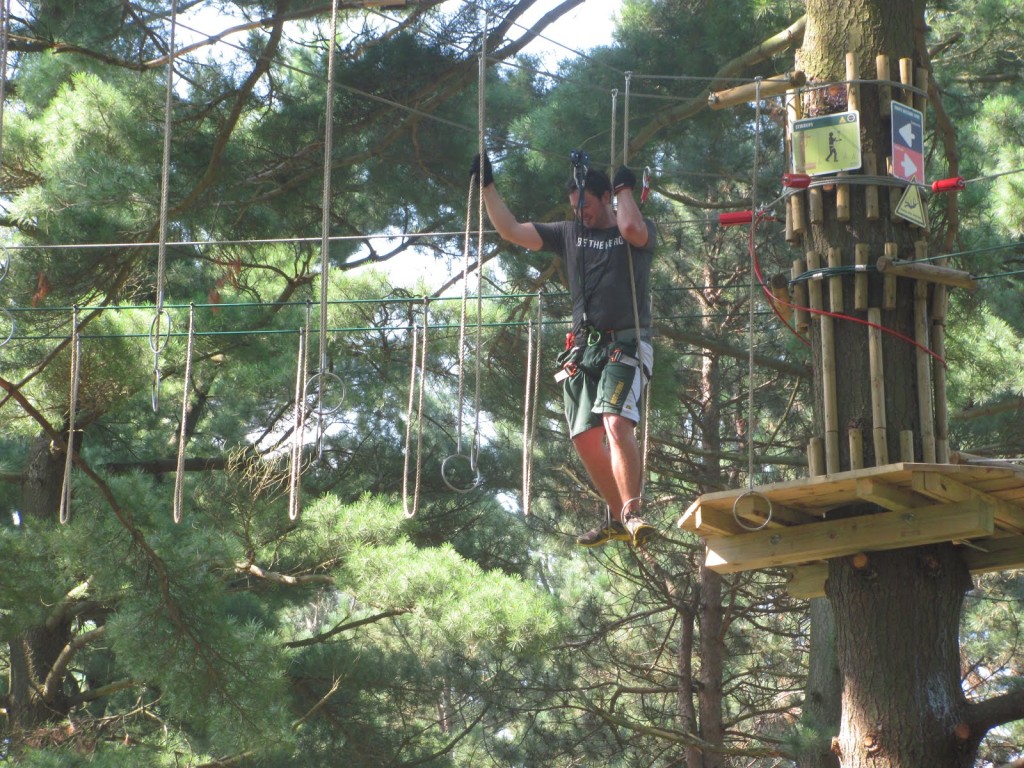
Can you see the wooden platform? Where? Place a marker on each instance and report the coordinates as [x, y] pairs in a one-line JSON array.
[[979, 507]]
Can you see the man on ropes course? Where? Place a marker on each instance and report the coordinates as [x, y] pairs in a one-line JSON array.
[[608, 356]]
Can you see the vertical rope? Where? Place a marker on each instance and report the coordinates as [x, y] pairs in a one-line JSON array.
[[611, 140], [480, 102], [298, 423], [5, 33], [69, 440], [179, 475], [325, 230], [625, 121], [753, 283], [157, 337], [530, 401], [410, 511]]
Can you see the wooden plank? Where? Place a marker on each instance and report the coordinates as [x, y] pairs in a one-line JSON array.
[[708, 521], [1003, 554], [944, 488], [835, 538], [889, 496]]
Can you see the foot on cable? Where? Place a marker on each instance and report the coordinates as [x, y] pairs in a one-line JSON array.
[[639, 529], [609, 530]]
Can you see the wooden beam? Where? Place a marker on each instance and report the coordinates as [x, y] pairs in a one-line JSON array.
[[769, 86], [708, 522], [889, 496], [820, 541], [944, 488], [807, 581], [981, 556]]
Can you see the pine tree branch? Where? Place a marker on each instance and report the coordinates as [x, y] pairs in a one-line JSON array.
[[998, 710], [55, 677], [343, 627], [279, 578], [788, 38], [102, 692]]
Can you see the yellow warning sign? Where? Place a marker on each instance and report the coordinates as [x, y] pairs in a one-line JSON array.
[[911, 207]]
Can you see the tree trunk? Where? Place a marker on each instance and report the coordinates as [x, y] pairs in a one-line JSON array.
[[896, 619], [897, 630], [33, 652], [822, 710]]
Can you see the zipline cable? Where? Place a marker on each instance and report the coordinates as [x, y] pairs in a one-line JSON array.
[[179, 476], [158, 338], [75, 350]]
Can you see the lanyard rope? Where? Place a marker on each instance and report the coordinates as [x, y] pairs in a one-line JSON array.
[[298, 424], [179, 476], [69, 444]]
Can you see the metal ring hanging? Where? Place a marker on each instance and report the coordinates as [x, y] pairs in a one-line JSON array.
[[159, 339], [320, 380], [739, 521], [477, 478], [5, 262], [10, 331]]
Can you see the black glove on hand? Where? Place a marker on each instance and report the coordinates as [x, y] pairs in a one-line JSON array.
[[624, 179], [474, 170]]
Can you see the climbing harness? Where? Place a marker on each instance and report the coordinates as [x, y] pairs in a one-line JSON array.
[[69, 441], [179, 476]]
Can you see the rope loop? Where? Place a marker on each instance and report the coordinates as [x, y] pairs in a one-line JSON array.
[[470, 460], [739, 520], [179, 473], [64, 514]]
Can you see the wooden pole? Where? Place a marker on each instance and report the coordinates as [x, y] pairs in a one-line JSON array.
[[815, 205], [780, 290], [814, 284], [939, 302], [884, 91], [907, 78], [835, 283], [871, 210], [815, 457], [852, 88], [877, 373], [931, 273], [921, 81], [907, 445], [797, 204], [889, 278], [842, 199], [856, 438], [924, 373], [828, 378], [800, 295], [769, 86], [860, 280]]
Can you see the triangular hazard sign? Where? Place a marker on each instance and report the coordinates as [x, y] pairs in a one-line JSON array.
[[912, 208]]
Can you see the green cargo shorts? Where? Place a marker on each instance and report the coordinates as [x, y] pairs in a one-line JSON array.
[[609, 378]]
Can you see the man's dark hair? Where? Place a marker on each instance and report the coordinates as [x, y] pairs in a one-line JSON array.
[[596, 183]]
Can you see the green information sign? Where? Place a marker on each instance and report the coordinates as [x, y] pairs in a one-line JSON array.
[[826, 144]]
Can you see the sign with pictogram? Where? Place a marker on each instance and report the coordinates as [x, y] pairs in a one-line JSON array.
[[907, 143], [911, 207], [826, 144]]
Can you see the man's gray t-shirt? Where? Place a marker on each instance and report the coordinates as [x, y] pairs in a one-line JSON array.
[[597, 263]]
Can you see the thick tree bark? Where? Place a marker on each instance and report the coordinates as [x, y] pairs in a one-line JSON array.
[[896, 619], [822, 708], [897, 637]]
